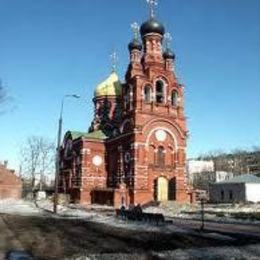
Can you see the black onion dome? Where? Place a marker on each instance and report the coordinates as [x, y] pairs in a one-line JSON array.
[[135, 45], [168, 54], [152, 26]]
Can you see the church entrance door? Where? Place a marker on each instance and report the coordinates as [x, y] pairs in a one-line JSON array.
[[162, 189]]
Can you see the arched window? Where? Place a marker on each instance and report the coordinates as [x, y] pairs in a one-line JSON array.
[[147, 94], [131, 97], [127, 98], [172, 189], [106, 109], [68, 148], [159, 91], [160, 157], [174, 98]]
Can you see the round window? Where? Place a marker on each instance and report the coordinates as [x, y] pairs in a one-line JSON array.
[[160, 135], [97, 160]]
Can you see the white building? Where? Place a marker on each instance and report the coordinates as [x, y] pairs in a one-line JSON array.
[[222, 176], [197, 167], [243, 188], [194, 166]]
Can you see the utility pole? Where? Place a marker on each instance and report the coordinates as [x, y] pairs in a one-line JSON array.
[[57, 161]]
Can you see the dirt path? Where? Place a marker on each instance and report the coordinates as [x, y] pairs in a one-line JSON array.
[[8, 240]]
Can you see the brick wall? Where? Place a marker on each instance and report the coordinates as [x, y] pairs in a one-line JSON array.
[[10, 184]]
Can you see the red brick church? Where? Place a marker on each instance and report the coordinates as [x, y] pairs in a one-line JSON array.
[[134, 151]]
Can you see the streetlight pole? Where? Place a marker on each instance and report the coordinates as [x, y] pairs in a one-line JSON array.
[[57, 161]]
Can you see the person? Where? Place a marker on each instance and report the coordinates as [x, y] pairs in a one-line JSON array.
[[122, 212]]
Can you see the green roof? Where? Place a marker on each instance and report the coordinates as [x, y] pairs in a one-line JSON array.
[[246, 178], [76, 134], [99, 134], [93, 135]]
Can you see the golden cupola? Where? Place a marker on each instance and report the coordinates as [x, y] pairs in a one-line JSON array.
[[109, 87]]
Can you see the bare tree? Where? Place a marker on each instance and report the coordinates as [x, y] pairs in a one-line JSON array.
[[47, 159], [37, 156], [239, 161]]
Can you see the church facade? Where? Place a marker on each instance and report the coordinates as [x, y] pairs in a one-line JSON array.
[[135, 149]]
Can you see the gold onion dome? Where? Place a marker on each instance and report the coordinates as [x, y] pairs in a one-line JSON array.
[[109, 87]]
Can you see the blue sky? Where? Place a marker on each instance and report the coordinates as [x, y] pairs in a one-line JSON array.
[[51, 48]]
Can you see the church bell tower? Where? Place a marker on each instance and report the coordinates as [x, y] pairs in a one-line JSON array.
[[153, 110]]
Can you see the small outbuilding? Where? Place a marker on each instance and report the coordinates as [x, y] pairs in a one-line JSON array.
[[10, 184], [243, 188]]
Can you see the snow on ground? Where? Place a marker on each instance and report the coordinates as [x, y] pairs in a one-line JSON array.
[[71, 211], [229, 252], [213, 212], [45, 208], [224, 253], [19, 207], [230, 208], [41, 208], [140, 226], [94, 213], [105, 214]]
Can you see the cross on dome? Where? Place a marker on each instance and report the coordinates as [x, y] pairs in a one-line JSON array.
[[114, 60], [135, 28], [152, 4], [167, 40]]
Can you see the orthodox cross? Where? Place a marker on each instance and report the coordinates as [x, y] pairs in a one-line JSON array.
[[114, 60], [152, 4], [167, 40], [135, 29]]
